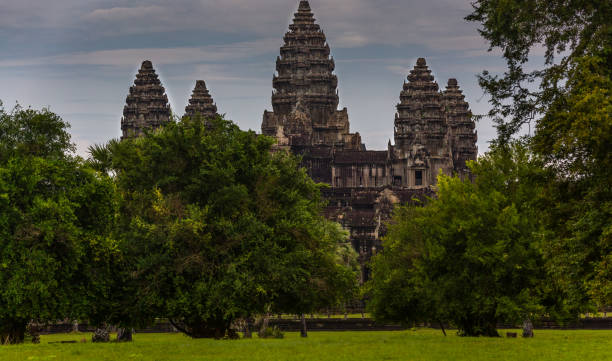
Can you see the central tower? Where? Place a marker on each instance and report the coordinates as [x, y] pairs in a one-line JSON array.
[[305, 97]]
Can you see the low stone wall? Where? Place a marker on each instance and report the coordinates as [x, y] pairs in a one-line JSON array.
[[582, 324], [350, 324], [334, 324], [604, 323]]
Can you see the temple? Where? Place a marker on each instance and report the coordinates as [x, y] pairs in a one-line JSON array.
[[305, 117], [434, 132], [201, 103], [146, 105]]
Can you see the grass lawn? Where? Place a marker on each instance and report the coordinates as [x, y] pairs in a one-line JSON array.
[[423, 344]]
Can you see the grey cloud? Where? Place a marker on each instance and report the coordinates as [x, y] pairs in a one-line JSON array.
[[348, 23], [126, 13], [129, 57]]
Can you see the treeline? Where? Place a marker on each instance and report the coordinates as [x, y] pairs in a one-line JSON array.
[[198, 222]]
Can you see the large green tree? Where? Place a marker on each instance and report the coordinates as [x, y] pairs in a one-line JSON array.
[[219, 227], [567, 30], [470, 256], [55, 218], [569, 99]]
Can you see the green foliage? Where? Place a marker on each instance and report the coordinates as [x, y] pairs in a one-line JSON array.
[[572, 109], [567, 30], [271, 332], [470, 256], [217, 227], [55, 217], [575, 138], [29, 132]]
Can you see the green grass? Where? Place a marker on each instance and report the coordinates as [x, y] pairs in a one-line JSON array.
[[423, 344]]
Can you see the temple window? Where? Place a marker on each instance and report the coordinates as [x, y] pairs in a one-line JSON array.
[[418, 177]]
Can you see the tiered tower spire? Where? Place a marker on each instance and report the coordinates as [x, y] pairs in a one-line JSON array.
[[420, 119], [201, 102], [462, 127], [305, 98], [146, 105]]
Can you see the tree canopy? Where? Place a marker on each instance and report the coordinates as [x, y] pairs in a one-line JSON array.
[[55, 217], [219, 227], [471, 256], [569, 100], [568, 31]]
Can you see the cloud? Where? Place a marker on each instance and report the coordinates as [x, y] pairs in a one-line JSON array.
[[126, 13], [82, 146], [399, 69], [350, 40], [130, 57], [348, 23], [226, 73]]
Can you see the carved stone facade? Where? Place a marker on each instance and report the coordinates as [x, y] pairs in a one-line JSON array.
[[306, 119], [463, 135], [434, 132], [146, 105], [201, 103]]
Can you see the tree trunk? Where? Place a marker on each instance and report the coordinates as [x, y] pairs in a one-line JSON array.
[[527, 328], [216, 329], [478, 326], [303, 330], [442, 327], [12, 331], [124, 335]]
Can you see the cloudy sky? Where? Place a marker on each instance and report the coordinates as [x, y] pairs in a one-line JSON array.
[[80, 57]]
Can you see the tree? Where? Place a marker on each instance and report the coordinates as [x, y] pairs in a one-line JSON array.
[[30, 132], [470, 256], [569, 100], [218, 227], [54, 214], [567, 30], [575, 138]]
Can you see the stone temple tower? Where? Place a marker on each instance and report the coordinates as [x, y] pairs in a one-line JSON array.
[[306, 119], [462, 127], [305, 97], [146, 105], [422, 136], [201, 103]]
